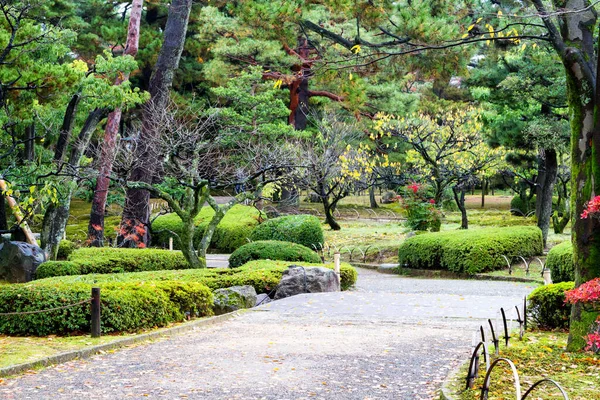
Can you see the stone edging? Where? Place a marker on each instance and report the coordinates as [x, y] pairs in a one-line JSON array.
[[87, 352], [445, 391], [425, 273]]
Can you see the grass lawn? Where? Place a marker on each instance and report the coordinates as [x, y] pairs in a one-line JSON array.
[[540, 355]]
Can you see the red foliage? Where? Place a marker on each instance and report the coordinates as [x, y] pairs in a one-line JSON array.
[[414, 187], [588, 293], [592, 208]]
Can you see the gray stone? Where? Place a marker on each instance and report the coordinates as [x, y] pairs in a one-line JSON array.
[[234, 298], [263, 298], [19, 261], [411, 234], [388, 198], [297, 280]]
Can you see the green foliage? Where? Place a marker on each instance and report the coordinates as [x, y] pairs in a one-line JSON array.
[[302, 229], [231, 233], [65, 248], [560, 262], [272, 250], [547, 306], [421, 213], [520, 207], [469, 251], [125, 306], [106, 260]]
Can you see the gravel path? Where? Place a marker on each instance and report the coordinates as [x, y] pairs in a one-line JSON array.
[[391, 338]]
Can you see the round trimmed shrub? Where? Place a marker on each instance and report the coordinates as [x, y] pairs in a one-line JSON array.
[[65, 248], [232, 232], [302, 229], [547, 306], [560, 262], [272, 250]]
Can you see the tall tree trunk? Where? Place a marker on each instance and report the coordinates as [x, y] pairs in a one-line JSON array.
[[329, 218], [30, 142], [459, 198], [109, 144], [137, 202], [3, 220], [56, 216], [545, 188], [484, 185]]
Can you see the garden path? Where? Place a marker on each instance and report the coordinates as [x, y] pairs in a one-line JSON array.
[[391, 338]]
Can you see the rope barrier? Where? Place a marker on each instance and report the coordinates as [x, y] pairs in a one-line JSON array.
[[47, 310]]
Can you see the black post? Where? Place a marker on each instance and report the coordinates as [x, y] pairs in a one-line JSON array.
[[525, 313], [95, 312], [495, 340], [506, 335]]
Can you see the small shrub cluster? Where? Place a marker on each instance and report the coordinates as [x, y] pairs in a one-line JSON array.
[[65, 248], [272, 250], [421, 211], [522, 208], [547, 306], [106, 260], [233, 231], [126, 306], [469, 251], [302, 229], [560, 262]]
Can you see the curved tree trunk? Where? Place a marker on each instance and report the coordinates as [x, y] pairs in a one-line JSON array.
[[459, 198], [137, 203], [372, 199], [109, 144]]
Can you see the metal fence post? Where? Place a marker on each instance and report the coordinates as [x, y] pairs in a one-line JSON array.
[[95, 312]]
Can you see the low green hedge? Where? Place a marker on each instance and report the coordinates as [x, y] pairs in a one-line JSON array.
[[65, 248], [302, 229], [547, 306], [126, 306], [232, 232], [106, 260], [272, 250], [469, 251], [560, 262]]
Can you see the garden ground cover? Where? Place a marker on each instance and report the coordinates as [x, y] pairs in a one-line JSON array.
[[539, 355]]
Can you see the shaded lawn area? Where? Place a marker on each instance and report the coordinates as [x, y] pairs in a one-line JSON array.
[[540, 355]]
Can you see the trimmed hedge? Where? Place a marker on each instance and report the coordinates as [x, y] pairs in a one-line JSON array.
[[272, 250], [125, 306], [560, 262], [107, 260], [302, 229], [469, 251], [232, 232], [263, 275], [65, 248], [547, 306]]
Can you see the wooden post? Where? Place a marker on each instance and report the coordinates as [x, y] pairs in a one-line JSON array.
[[336, 265], [16, 211], [171, 244], [95, 312]]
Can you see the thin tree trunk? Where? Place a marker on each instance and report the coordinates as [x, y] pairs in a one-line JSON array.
[[137, 210], [459, 198], [545, 188], [372, 199], [3, 220], [484, 183], [57, 216], [18, 214], [109, 144], [329, 210]]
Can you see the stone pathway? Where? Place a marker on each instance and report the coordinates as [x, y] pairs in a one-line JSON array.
[[391, 338]]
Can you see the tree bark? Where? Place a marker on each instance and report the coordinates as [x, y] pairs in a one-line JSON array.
[[30, 142], [459, 198], [137, 211], [109, 144], [3, 220], [545, 189], [484, 185]]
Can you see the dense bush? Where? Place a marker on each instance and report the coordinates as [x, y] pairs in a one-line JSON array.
[[469, 251], [272, 250], [560, 262], [547, 306], [65, 248], [106, 260], [126, 306], [302, 229], [232, 232]]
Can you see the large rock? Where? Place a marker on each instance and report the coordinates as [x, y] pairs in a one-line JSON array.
[[19, 261], [297, 280], [234, 298]]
